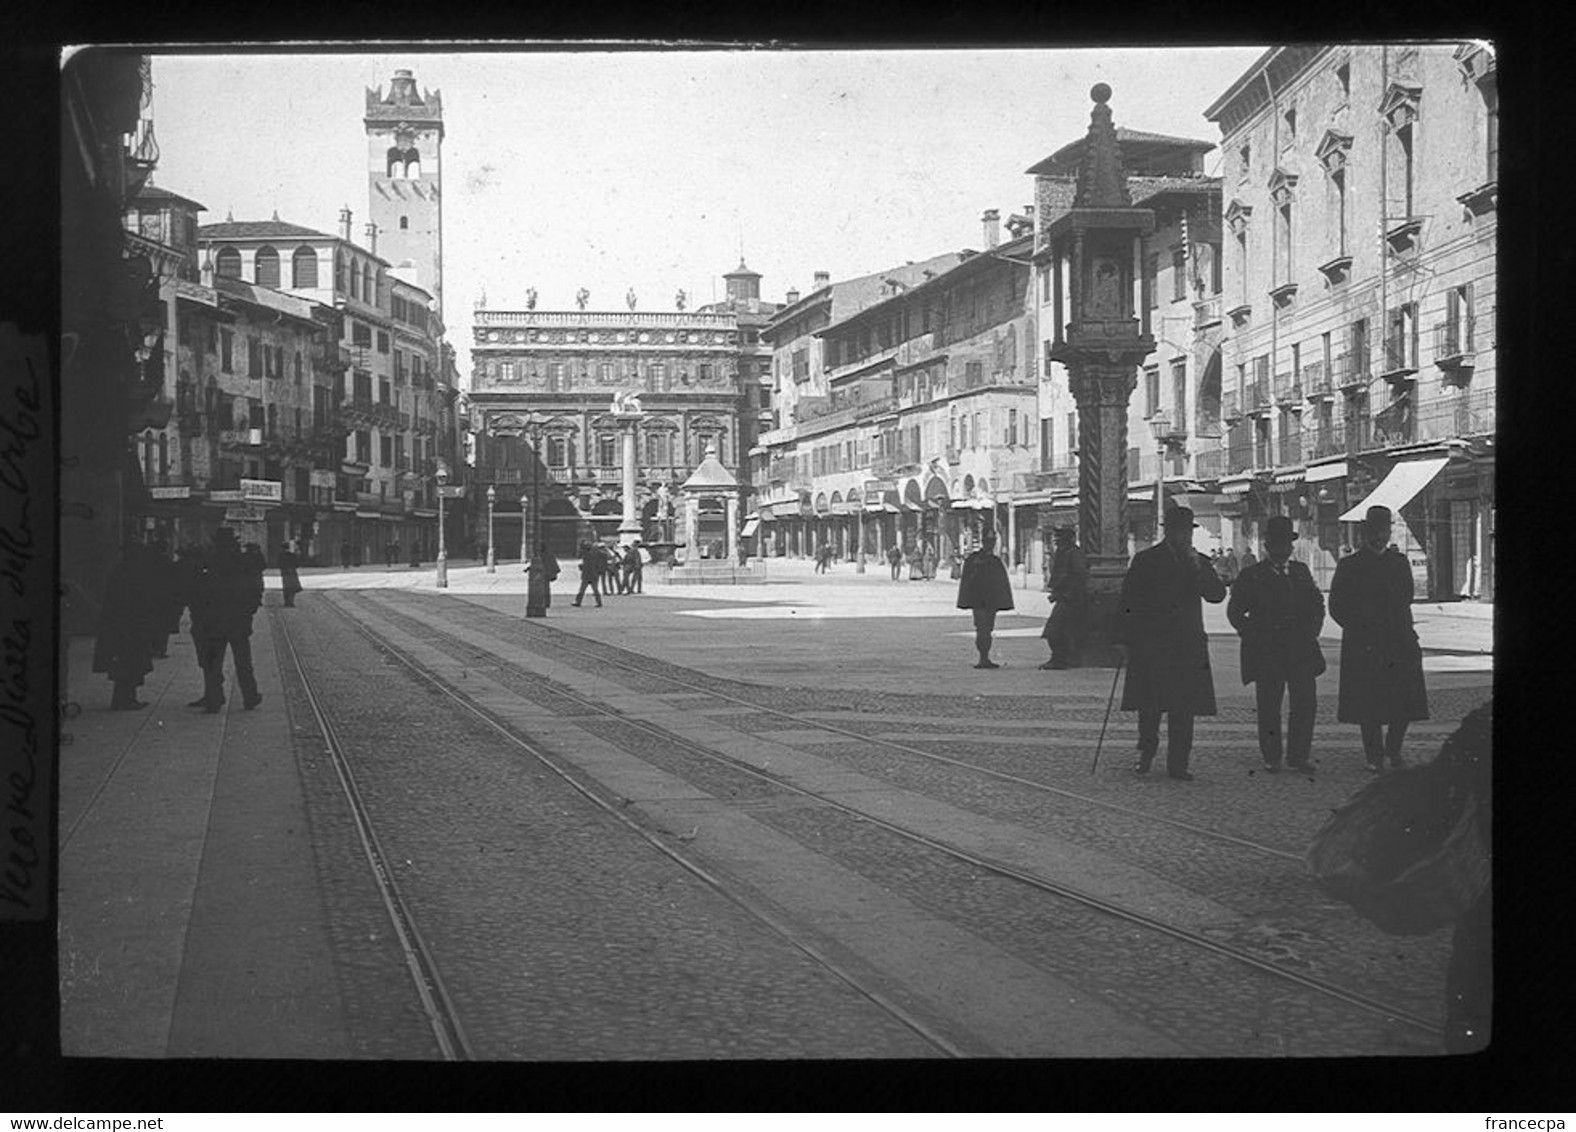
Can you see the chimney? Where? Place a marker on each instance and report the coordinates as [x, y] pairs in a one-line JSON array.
[[344, 224], [372, 238], [992, 219], [792, 296], [822, 279]]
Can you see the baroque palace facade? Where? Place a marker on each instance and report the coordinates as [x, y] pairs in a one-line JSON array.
[[543, 387]]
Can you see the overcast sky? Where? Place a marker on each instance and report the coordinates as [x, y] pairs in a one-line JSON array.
[[651, 169]]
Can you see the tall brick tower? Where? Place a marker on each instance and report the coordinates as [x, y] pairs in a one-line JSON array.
[[405, 178]]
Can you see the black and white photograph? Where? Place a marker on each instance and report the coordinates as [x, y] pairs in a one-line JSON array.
[[651, 553]]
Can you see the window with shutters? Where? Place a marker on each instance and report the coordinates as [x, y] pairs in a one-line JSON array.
[[265, 267], [226, 350], [1151, 391], [383, 342]]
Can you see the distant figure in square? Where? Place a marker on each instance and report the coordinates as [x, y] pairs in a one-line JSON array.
[[634, 568], [1160, 633], [1277, 610], [927, 561], [1382, 687], [1069, 589], [985, 589], [591, 561], [289, 573], [895, 560]]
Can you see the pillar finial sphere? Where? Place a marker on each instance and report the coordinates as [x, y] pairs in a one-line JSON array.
[[1100, 92]]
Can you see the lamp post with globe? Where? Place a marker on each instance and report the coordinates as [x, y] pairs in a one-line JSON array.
[[492, 560], [443, 550]]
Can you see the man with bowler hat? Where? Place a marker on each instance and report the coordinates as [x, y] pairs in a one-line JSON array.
[[1382, 688], [986, 590], [225, 595], [1277, 610], [1160, 635]]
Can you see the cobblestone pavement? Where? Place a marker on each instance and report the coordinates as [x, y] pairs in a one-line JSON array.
[[559, 933], [1203, 1003]]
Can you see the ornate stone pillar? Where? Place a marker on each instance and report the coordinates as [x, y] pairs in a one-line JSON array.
[[691, 529], [629, 529]]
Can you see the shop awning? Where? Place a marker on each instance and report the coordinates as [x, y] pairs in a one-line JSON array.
[[1321, 472], [1399, 487], [1237, 487], [1288, 477], [749, 527]]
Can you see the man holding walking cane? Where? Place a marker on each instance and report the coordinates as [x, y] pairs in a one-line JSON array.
[[1160, 636]]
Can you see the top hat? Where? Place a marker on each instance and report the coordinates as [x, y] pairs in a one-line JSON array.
[[1179, 517], [1378, 514], [1279, 526]]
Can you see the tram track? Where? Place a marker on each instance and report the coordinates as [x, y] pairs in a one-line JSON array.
[[437, 1005], [1041, 884]]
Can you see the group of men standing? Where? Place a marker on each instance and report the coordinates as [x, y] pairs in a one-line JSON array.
[[146, 596], [606, 569], [1277, 611]]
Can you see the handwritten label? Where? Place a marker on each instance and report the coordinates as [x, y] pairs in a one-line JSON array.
[[26, 592]]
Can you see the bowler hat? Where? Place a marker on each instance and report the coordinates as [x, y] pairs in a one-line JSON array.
[[1066, 532], [1378, 514], [1179, 517], [1279, 526]]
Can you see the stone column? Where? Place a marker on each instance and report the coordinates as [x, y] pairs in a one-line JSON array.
[[629, 529], [732, 539], [1101, 389], [691, 529]]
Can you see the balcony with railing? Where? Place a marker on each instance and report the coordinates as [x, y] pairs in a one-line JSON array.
[[1453, 350], [1390, 427], [1230, 406], [1457, 417], [1316, 381], [1258, 395], [1208, 312], [1400, 360], [1288, 388], [611, 320], [1349, 370], [1209, 463], [1322, 439]]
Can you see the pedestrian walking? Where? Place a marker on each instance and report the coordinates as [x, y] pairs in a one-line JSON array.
[[289, 573], [129, 623], [1247, 560], [540, 573], [225, 595], [1069, 593], [984, 588], [391, 553], [1277, 610], [928, 561], [1382, 688], [633, 569], [591, 563], [612, 570], [1160, 634], [823, 558], [895, 560]]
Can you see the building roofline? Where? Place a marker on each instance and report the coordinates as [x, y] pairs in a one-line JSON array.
[[953, 274]]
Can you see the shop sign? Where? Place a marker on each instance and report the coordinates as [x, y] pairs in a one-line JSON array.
[[244, 513], [267, 490], [451, 491], [226, 495], [182, 492]]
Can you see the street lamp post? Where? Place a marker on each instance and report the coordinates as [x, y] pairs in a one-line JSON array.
[[1160, 425], [443, 550], [492, 561]]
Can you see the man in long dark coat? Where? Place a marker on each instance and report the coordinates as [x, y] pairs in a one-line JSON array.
[[1382, 688], [1277, 610], [289, 573], [1160, 631], [1069, 587], [591, 562], [633, 569], [985, 589], [226, 594], [129, 623]]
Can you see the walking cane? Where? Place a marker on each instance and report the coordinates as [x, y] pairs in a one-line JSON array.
[[1109, 701]]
